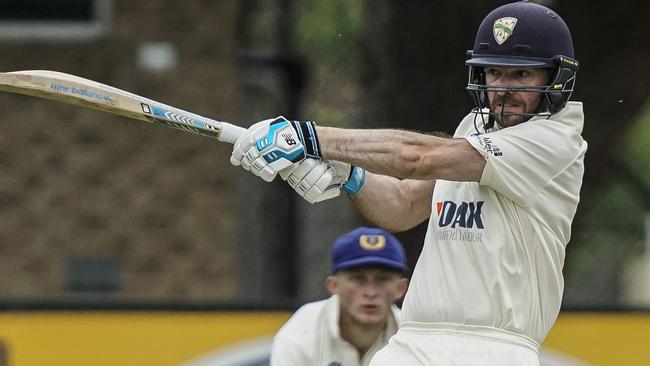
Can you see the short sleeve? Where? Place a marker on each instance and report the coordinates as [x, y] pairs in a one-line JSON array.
[[521, 160]]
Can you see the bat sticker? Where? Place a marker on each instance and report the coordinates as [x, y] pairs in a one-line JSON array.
[[145, 108]]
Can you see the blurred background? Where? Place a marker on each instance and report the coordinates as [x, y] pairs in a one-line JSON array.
[[114, 232]]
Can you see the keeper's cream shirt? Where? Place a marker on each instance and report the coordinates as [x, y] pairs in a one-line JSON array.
[[493, 253], [311, 337]]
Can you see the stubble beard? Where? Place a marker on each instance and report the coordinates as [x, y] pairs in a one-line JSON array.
[[508, 120]]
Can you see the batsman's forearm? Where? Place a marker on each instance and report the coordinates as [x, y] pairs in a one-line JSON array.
[[402, 154], [397, 153]]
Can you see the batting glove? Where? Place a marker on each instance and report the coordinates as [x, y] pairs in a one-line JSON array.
[[313, 179], [350, 177], [317, 180], [273, 145]]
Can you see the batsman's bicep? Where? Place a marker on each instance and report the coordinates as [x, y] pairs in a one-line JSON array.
[[392, 203], [419, 193]]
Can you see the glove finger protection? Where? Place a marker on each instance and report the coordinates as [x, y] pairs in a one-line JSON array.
[[314, 176], [313, 180], [299, 171], [286, 172], [324, 188], [236, 156], [244, 143], [315, 197], [249, 157], [258, 166], [237, 151]]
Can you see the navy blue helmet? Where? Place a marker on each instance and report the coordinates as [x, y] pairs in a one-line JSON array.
[[524, 34]]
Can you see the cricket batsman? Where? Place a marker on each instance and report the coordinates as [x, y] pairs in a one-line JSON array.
[[500, 195]]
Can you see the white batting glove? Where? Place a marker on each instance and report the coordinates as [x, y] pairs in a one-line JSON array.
[[313, 180], [350, 177], [273, 145], [317, 180]]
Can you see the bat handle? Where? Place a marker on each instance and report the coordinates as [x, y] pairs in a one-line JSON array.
[[230, 133]]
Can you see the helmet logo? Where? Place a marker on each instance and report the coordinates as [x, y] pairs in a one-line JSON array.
[[503, 28]]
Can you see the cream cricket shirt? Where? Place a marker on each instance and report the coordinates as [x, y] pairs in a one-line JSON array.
[[311, 337], [494, 250]]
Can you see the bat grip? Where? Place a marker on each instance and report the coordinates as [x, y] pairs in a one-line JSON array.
[[230, 133]]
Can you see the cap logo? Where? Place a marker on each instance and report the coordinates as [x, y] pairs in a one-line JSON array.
[[503, 28], [372, 242]]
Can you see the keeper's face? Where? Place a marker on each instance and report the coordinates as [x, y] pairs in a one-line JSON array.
[[507, 104], [366, 293]]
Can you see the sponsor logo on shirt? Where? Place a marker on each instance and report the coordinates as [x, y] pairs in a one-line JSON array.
[[488, 145], [455, 218], [463, 214]]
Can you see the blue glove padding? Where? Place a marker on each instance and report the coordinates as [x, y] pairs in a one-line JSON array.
[[348, 177], [273, 145], [355, 180]]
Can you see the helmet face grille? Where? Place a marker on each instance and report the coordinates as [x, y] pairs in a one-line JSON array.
[[555, 95], [525, 35]]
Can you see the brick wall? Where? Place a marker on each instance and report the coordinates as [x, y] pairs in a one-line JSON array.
[[153, 203]]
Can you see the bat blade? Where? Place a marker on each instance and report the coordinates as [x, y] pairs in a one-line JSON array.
[[87, 93]]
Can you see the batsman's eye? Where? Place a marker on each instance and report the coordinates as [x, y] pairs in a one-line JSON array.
[[521, 74], [492, 72]]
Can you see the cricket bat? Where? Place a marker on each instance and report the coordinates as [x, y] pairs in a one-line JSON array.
[[72, 89]]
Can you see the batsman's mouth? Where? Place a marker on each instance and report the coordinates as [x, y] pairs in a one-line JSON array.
[[508, 108]]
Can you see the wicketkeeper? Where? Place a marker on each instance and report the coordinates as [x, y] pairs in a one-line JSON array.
[[368, 266]]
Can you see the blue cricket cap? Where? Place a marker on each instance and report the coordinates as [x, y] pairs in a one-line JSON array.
[[368, 247]]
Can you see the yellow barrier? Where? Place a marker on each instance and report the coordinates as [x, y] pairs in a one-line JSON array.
[[173, 338], [603, 339], [126, 338]]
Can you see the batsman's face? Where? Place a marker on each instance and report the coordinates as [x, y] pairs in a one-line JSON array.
[[514, 102], [367, 293]]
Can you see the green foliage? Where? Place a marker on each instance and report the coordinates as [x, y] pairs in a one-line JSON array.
[[616, 221], [612, 231], [637, 149], [260, 33], [327, 32]]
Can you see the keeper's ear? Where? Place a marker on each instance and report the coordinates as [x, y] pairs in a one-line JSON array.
[[331, 284]]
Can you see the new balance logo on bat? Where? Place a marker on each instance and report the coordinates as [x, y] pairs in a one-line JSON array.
[[463, 214]]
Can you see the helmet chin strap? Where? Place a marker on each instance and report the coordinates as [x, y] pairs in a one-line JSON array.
[[490, 123]]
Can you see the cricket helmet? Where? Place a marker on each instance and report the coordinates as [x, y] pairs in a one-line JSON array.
[[528, 35]]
